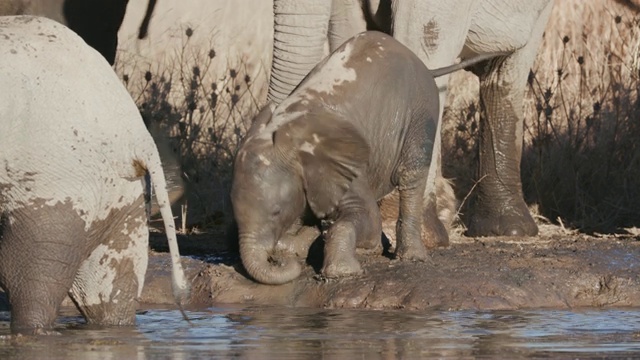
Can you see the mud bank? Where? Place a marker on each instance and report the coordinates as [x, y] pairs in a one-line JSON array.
[[559, 270]]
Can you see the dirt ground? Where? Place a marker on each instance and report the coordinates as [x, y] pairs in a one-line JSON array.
[[557, 269]]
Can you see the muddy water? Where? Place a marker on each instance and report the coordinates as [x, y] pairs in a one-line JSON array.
[[282, 333]]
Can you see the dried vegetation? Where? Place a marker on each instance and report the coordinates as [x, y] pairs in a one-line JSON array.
[[581, 161]]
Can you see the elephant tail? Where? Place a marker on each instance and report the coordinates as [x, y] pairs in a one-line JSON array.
[[467, 62], [149, 162]]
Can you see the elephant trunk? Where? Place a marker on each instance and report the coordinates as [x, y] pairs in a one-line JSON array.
[[300, 34], [255, 259]]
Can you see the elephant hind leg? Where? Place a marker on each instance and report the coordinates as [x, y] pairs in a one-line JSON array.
[[110, 280], [498, 207], [436, 221], [409, 230], [38, 261], [370, 232]]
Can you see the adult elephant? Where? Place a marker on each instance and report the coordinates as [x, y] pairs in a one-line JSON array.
[[438, 32], [96, 21], [74, 153]]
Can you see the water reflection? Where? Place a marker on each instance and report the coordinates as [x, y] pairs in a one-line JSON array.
[[283, 333]]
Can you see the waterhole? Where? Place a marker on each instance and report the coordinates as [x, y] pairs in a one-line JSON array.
[[294, 333]]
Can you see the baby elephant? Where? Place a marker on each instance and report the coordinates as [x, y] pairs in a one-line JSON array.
[[358, 126]]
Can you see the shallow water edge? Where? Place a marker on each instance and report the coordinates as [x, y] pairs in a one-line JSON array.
[[304, 333]]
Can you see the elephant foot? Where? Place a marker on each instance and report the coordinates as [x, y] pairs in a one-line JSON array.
[[370, 245], [434, 233], [402, 253], [46, 332], [346, 266], [20, 333], [446, 203], [518, 222], [410, 249], [298, 244], [370, 251], [340, 249]]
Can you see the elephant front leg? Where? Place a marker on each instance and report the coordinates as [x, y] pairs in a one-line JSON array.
[[298, 239], [358, 225]]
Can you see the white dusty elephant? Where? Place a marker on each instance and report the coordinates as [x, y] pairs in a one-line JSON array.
[[438, 32], [72, 210], [96, 21]]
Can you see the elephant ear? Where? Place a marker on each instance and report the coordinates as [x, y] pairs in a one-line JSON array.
[[331, 153], [260, 121]]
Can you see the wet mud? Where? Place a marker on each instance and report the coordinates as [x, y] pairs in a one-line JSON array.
[[557, 269]]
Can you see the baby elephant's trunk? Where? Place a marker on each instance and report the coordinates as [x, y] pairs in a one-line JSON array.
[[259, 265]]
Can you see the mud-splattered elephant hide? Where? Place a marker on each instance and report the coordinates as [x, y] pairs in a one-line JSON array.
[[361, 124], [74, 152]]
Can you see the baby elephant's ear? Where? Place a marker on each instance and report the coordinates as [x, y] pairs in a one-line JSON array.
[[331, 153], [260, 121]]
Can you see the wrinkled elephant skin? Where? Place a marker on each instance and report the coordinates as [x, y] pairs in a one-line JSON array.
[[74, 153]]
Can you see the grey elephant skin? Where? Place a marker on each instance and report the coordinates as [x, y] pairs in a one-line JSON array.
[[438, 31], [72, 210], [96, 21], [361, 124]]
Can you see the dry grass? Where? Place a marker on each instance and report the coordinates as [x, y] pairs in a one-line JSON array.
[[205, 114], [581, 164]]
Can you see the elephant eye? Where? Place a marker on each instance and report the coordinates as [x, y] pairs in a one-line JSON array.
[[276, 212]]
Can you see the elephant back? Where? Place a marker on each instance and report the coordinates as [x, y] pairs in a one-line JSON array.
[[68, 122]]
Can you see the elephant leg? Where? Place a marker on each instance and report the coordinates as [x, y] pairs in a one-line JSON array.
[[435, 219], [97, 23], [409, 245], [40, 252], [435, 226], [498, 208], [369, 238], [110, 280], [437, 36], [298, 239], [358, 225]]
